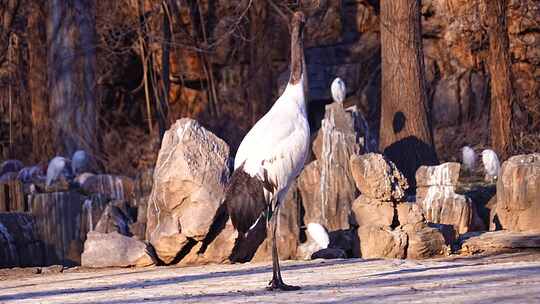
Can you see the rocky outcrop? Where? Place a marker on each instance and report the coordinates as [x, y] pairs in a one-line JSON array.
[[326, 184], [20, 245], [446, 174], [113, 186], [92, 211], [377, 177], [114, 219], [493, 241], [115, 250], [368, 212], [189, 181], [518, 193], [138, 228], [382, 242], [424, 242], [389, 226], [439, 201]]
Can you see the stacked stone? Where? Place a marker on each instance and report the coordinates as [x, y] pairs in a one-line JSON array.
[[388, 225], [436, 195], [518, 195]]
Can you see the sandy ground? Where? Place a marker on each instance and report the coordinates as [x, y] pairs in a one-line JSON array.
[[504, 278]]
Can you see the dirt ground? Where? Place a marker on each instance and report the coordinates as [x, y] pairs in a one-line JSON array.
[[501, 278]]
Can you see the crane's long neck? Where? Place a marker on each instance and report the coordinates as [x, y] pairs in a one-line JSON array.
[[297, 56]]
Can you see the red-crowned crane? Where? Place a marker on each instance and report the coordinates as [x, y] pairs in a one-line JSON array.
[[271, 156]]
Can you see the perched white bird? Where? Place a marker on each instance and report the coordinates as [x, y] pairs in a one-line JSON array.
[[491, 164], [79, 162], [468, 158], [338, 90], [271, 156], [58, 167], [318, 233]]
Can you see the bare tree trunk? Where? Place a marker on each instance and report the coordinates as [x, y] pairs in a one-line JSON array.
[[37, 81], [86, 116], [72, 100], [259, 90], [499, 65], [61, 41], [405, 133]]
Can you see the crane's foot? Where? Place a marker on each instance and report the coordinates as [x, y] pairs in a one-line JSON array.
[[279, 285]]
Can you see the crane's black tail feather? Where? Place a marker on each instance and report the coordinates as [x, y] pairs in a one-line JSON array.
[[245, 200], [246, 206]]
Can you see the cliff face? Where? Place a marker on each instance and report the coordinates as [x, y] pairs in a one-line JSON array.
[[343, 40], [240, 64]]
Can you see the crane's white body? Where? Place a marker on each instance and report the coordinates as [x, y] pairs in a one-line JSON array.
[[338, 90], [491, 163], [468, 158], [279, 142], [317, 232]]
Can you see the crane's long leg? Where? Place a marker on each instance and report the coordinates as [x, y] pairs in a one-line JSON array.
[[277, 282]]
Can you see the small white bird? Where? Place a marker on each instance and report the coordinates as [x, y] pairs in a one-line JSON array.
[[271, 156], [338, 90], [318, 233], [468, 158], [58, 166], [491, 164], [79, 162]]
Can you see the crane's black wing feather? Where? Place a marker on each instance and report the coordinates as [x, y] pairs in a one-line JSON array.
[[245, 200]]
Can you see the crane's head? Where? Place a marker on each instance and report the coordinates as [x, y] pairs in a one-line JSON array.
[[297, 23]]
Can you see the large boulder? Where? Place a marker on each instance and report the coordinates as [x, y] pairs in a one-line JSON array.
[[518, 193], [377, 177], [189, 182], [19, 242], [115, 250]]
